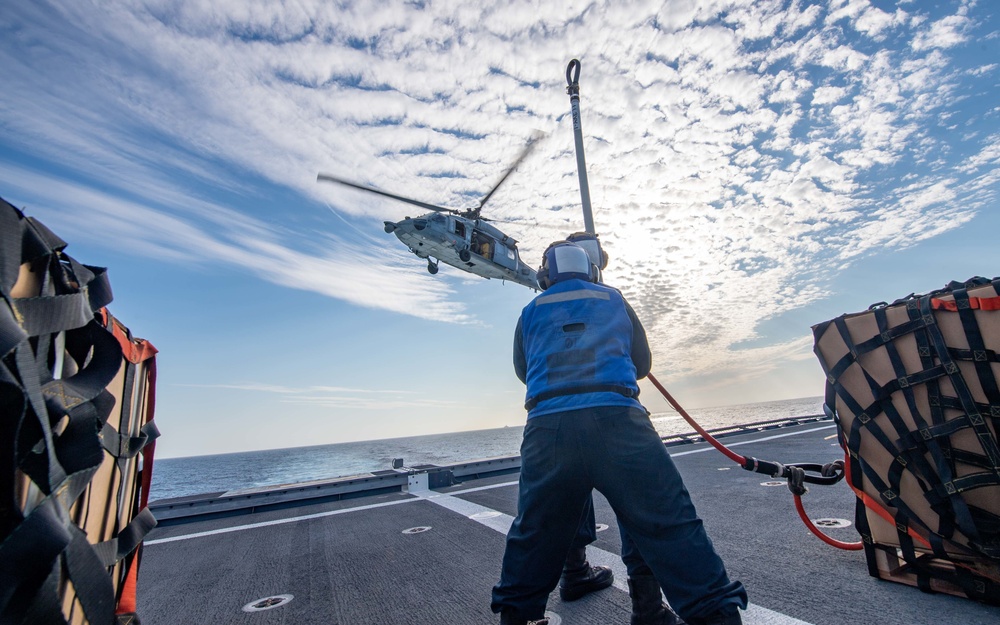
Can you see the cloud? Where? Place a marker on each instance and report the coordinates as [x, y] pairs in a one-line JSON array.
[[341, 269], [946, 32], [339, 397], [739, 153]]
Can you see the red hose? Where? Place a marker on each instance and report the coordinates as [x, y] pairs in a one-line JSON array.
[[735, 457], [815, 530], [740, 460]]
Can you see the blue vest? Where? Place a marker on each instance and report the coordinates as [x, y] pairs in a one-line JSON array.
[[577, 339]]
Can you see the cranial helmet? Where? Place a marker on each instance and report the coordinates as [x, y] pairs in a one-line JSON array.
[[564, 260], [592, 245]]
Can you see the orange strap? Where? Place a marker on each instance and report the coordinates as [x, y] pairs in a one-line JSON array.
[[877, 507], [127, 603], [981, 303], [134, 350]]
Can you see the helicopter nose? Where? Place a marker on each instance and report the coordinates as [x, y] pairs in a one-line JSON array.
[[389, 227]]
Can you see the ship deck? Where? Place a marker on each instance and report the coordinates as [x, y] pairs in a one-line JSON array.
[[366, 551]]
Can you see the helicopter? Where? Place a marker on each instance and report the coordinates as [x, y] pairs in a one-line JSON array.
[[460, 238]]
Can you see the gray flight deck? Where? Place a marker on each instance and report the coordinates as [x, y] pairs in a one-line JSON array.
[[428, 556]]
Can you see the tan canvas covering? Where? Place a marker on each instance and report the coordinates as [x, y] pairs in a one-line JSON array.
[[77, 394], [914, 389]]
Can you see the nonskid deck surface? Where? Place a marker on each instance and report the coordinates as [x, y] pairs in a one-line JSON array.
[[433, 556]]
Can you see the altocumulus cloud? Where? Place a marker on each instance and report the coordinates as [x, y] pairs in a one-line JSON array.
[[739, 150]]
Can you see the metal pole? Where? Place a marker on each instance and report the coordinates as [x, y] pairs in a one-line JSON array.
[[573, 89]]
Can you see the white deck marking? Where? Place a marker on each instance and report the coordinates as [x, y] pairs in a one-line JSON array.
[[707, 447], [754, 614], [756, 440], [319, 515], [240, 528]]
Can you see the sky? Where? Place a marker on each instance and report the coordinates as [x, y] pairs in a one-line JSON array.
[[755, 167]]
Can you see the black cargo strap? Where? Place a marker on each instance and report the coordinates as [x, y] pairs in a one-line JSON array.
[[115, 550], [55, 313], [579, 390], [126, 447], [926, 451], [41, 547]]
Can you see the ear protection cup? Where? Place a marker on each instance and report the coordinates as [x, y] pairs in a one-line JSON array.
[[592, 245], [543, 276]]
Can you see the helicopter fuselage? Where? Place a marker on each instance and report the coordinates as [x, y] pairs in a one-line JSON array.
[[469, 244]]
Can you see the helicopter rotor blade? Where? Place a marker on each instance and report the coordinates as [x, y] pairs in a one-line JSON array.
[[524, 154], [361, 187]]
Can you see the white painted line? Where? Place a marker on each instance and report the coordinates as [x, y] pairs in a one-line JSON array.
[[240, 528], [756, 440], [754, 614], [492, 519], [319, 515], [501, 522], [479, 488]]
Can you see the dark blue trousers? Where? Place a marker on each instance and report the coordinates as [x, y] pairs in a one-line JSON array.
[[616, 451], [586, 533]]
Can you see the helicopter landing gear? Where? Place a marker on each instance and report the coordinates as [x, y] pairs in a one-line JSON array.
[[464, 255], [432, 268]]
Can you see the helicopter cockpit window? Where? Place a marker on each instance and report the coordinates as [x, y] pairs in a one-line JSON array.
[[460, 229], [437, 218], [510, 253]]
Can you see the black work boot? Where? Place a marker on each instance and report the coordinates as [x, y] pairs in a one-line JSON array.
[[647, 603], [509, 617], [579, 578]]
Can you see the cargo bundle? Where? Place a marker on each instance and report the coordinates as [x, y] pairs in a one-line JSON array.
[[913, 386], [76, 437]]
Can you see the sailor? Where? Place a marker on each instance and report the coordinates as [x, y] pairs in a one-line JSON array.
[[580, 349]]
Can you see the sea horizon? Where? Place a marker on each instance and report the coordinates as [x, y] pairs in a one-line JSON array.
[[668, 414], [217, 473]]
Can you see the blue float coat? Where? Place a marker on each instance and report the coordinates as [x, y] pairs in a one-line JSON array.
[[582, 334]]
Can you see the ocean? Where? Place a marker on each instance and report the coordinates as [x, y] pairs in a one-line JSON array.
[[179, 477]]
